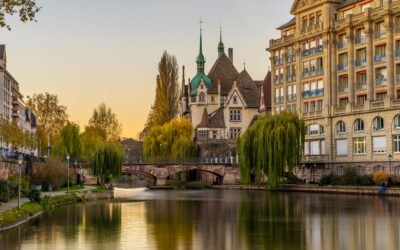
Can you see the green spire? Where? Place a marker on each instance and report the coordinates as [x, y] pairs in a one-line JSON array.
[[221, 47], [200, 58]]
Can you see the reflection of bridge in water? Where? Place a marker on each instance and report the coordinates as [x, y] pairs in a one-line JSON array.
[[225, 173]]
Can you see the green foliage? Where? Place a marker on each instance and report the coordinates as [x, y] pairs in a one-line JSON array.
[[14, 215], [271, 146], [26, 9], [34, 195], [104, 124], [107, 161], [4, 191], [69, 141], [165, 105], [173, 140], [11, 133], [349, 178]]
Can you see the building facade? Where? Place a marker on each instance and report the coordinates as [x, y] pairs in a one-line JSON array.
[[220, 105], [337, 63], [13, 108]]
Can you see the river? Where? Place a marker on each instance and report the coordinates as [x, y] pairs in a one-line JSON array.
[[216, 219]]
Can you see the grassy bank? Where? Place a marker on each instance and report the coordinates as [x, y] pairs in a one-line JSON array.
[[15, 215]]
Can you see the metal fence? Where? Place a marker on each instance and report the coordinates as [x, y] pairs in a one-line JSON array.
[[230, 160]]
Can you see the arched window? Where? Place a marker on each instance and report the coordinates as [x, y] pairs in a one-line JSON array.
[[378, 123], [360, 170], [314, 129], [202, 98], [340, 127], [340, 170], [397, 122], [359, 125], [379, 169]]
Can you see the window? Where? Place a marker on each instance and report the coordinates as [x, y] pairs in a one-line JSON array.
[[223, 100], [202, 98], [202, 134], [214, 134], [397, 122], [315, 148], [320, 105], [340, 170], [212, 99], [306, 148], [235, 101], [360, 170], [234, 132], [314, 129], [235, 115], [361, 99], [359, 146], [379, 144], [397, 170], [359, 125], [343, 102], [340, 127], [341, 147], [396, 143], [305, 107], [379, 169], [378, 123]]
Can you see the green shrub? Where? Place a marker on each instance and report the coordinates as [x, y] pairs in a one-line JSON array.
[[365, 180], [349, 178], [34, 195], [4, 191], [53, 172]]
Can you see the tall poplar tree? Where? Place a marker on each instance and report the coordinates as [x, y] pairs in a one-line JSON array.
[[165, 105]]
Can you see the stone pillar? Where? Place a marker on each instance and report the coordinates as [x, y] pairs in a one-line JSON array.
[[389, 56], [370, 60], [350, 61], [333, 62]]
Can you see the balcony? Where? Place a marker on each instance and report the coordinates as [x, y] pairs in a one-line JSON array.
[[342, 45], [291, 97], [361, 62], [380, 34], [342, 88], [397, 54], [312, 51], [291, 58], [278, 79], [381, 81], [291, 78], [360, 39], [311, 93], [342, 66], [361, 86], [380, 58], [279, 99], [314, 159]]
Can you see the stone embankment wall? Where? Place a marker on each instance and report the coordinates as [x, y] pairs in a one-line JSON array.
[[6, 168]]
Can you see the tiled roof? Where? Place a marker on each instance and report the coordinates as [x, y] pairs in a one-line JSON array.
[[217, 119], [290, 23], [224, 71], [348, 2], [248, 89], [204, 120]]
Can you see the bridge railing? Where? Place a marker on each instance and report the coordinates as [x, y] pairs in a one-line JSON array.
[[197, 160]]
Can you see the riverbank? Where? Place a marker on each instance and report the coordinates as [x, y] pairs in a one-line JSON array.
[[14, 217], [317, 189]]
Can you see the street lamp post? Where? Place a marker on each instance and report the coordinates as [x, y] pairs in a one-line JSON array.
[[390, 163], [68, 173], [20, 159]]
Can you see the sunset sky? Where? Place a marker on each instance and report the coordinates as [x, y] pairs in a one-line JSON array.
[[93, 51]]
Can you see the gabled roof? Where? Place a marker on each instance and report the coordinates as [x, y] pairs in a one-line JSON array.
[[217, 119], [288, 24], [248, 89], [204, 120], [225, 72]]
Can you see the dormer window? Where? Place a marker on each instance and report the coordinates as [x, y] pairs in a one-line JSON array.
[[202, 98], [235, 101]]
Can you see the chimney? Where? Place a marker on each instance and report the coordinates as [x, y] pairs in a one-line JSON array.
[[230, 54]]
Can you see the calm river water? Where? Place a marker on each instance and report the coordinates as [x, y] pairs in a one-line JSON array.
[[213, 219]]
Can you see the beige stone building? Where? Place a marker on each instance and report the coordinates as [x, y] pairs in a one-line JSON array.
[[337, 64]]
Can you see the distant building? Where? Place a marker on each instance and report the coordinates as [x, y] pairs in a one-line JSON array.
[[221, 104], [133, 150]]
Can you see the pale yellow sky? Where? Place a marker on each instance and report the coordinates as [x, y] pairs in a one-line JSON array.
[[94, 51]]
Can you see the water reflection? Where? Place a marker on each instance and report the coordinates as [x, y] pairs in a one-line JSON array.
[[216, 220]]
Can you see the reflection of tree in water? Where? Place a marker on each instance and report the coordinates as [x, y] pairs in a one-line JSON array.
[[270, 220]]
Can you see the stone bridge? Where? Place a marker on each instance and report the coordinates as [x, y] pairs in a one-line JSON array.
[[160, 173]]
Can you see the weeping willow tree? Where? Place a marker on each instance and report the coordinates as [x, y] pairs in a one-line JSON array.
[[272, 146], [107, 161], [69, 141], [173, 140]]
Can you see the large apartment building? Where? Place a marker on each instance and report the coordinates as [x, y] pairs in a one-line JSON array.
[[337, 64]]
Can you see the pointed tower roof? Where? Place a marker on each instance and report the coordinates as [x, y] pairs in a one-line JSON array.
[[194, 84], [221, 46], [204, 119]]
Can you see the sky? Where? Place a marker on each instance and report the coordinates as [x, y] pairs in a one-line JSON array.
[[93, 51]]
